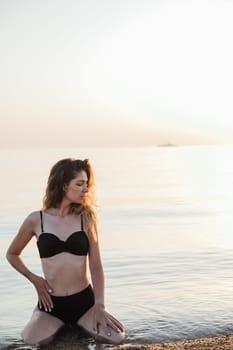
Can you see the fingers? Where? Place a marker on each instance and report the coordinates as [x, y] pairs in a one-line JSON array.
[[44, 291], [105, 323], [95, 325], [49, 289], [115, 324], [46, 301], [101, 323], [108, 329], [112, 326], [119, 326], [108, 326]]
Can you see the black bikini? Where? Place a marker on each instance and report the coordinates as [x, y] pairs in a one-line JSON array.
[[69, 308], [49, 244]]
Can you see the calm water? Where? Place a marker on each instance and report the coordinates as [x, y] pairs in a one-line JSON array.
[[166, 237]]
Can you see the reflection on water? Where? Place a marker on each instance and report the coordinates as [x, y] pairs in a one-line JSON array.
[[165, 234], [177, 293]]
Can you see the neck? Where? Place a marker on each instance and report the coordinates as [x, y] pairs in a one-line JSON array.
[[62, 211]]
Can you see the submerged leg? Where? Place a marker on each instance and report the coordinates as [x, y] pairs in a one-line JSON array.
[[86, 323], [41, 328]]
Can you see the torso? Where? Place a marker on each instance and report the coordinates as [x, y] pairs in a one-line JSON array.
[[64, 269]]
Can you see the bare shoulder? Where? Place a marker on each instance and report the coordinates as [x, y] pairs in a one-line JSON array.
[[25, 233], [33, 218], [31, 222]]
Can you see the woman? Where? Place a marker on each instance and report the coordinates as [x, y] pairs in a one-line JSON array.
[[66, 233]]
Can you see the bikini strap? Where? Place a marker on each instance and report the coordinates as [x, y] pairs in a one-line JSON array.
[[41, 222], [81, 222]]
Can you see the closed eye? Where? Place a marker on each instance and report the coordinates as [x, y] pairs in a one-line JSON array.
[[82, 183]]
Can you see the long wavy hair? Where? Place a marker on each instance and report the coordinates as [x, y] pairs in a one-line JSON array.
[[60, 175]]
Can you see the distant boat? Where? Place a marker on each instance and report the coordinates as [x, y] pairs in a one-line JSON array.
[[169, 144]]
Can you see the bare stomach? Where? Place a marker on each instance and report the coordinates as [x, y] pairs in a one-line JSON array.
[[65, 273]]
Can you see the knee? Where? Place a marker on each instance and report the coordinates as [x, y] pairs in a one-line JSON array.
[[34, 340], [29, 338]]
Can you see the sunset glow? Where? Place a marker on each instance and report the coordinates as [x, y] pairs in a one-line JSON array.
[[150, 71]]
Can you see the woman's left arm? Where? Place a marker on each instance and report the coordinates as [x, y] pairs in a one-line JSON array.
[[96, 270], [100, 316]]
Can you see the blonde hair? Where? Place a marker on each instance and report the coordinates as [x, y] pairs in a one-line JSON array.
[[60, 175]]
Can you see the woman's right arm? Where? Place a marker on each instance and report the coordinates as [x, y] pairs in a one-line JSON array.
[[24, 235]]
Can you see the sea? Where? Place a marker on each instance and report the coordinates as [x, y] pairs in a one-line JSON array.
[[166, 237]]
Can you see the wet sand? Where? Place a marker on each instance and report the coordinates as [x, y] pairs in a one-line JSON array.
[[218, 343]]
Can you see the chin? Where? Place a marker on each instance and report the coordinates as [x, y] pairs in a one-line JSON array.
[[77, 202]]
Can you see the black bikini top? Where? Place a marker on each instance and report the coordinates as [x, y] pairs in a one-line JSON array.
[[49, 244]]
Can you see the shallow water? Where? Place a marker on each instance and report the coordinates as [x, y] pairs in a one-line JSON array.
[[166, 237]]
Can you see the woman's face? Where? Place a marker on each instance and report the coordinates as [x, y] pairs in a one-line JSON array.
[[77, 189]]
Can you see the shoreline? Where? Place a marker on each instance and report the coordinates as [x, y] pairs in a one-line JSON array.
[[212, 343]]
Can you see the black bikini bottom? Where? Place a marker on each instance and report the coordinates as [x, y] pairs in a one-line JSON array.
[[71, 308]]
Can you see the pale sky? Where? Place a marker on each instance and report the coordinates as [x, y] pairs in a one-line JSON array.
[[115, 72]]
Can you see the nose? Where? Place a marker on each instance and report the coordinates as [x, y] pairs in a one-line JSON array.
[[85, 189]]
